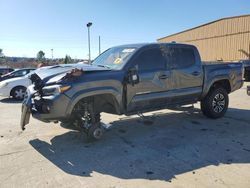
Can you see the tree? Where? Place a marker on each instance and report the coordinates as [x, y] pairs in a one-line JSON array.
[[40, 56], [1, 53], [2, 58], [67, 60]]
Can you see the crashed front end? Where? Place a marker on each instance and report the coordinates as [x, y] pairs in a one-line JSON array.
[[47, 102]]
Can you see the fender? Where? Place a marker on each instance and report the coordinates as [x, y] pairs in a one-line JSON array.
[[93, 92], [209, 83]]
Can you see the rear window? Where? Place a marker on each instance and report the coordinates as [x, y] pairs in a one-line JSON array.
[[178, 58]]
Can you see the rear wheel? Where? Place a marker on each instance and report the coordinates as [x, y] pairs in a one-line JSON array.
[[18, 92], [215, 104]]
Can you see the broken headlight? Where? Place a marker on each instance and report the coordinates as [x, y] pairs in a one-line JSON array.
[[55, 89]]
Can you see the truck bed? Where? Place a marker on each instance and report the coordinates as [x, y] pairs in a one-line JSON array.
[[220, 71]]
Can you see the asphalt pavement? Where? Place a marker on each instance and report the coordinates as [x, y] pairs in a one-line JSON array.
[[170, 148]]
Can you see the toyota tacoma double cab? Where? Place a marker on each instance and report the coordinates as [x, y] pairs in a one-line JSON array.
[[130, 79]]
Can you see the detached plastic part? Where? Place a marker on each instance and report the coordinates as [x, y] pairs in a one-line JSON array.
[[25, 118], [73, 74]]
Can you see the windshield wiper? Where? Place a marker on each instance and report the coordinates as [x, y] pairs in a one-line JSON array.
[[105, 66]]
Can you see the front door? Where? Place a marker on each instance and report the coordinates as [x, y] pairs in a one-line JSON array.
[[154, 81]]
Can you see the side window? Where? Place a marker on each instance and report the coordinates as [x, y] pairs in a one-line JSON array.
[[150, 59], [178, 58]]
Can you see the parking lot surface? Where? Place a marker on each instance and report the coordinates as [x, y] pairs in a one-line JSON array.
[[170, 148]]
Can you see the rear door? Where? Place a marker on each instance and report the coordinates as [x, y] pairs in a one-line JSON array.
[[187, 74], [154, 81]]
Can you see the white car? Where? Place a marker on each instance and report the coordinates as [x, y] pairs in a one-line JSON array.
[[15, 87]]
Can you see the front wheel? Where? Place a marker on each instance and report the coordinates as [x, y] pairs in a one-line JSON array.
[[88, 120], [95, 131], [215, 104]]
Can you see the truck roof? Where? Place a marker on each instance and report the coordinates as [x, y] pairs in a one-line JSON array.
[[140, 45]]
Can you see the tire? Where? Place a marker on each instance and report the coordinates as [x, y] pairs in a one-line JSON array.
[[203, 109], [18, 92], [215, 104]]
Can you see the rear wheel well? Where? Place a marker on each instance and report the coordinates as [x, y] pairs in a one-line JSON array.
[[222, 83]]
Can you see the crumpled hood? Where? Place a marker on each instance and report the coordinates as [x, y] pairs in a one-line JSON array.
[[55, 73]]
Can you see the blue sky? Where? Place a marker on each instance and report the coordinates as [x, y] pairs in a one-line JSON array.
[[27, 26]]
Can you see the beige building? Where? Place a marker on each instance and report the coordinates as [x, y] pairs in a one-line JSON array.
[[227, 39]]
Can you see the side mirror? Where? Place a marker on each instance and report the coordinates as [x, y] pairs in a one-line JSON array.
[[133, 77]]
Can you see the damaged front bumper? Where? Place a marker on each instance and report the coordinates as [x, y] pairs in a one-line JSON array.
[[26, 107], [46, 108]]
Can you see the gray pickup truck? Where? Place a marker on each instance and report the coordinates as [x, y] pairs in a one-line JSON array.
[[130, 79]]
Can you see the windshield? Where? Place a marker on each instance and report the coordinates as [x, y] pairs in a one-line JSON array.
[[114, 58]]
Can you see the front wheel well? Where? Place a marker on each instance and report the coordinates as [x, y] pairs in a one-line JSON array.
[[102, 103], [222, 83]]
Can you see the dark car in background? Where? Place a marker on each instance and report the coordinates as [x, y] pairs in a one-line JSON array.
[[16, 73], [5, 71]]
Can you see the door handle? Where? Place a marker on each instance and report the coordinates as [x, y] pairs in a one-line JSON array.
[[164, 76], [196, 73]]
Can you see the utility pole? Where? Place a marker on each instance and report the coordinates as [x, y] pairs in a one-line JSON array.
[[249, 52], [99, 45], [52, 53], [88, 26]]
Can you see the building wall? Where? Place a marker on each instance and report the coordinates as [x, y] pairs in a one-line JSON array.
[[226, 39]]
